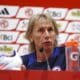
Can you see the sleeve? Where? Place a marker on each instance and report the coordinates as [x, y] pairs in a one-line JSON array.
[[10, 63], [25, 60]]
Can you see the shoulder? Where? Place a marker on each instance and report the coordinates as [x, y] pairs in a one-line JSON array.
[[59, 50], [60, 47], [26, 59], [29, 55]]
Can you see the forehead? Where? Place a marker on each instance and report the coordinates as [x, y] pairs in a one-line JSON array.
[[42, 22]]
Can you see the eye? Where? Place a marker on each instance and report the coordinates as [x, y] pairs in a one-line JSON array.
[[50, 29], [41, 30]]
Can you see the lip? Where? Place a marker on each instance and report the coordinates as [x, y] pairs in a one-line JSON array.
[[48, 43]]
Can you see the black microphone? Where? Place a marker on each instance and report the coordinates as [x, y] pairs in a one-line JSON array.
[[43, 50]]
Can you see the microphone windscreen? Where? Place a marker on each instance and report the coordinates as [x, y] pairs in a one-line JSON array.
[[41, 49]]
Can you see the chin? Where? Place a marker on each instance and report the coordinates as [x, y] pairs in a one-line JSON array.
[[48, 48]]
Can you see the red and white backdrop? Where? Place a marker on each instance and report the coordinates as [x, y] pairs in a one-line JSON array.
[[14, 23], [14, 17]]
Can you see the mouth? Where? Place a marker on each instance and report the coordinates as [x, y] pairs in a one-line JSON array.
[[48, 46], [48, 43]]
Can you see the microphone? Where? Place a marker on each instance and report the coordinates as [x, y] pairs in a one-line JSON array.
[[41, 49], [48, 65]]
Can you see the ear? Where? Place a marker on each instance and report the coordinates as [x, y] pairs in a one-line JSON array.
[[31, 38]]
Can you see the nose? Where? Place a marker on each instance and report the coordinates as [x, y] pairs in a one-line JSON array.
[[46, 34]]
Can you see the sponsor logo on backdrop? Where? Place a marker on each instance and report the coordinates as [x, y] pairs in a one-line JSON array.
[[73, 27], [3, 24], [8, 24], [7, 49], [24, 50], [61, 25], [73, 14], [56, 13], [62, 38], [23, 25], [8, 11], [8, 36], [75, 37], [27, 12], [74, 56], [22, 39], [4, 11]]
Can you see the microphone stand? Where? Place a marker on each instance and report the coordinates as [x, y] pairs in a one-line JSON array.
[[48, 65]]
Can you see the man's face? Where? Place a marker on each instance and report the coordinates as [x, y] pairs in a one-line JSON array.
[[43, 34]]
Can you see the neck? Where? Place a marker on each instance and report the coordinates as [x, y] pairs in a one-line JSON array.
[[41, 56]]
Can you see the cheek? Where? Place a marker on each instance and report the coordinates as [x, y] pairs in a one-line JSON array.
[[53, 37], [37, 41], [36, 38]]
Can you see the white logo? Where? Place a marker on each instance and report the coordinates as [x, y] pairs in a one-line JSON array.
[[56, 68], [74, 56]]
